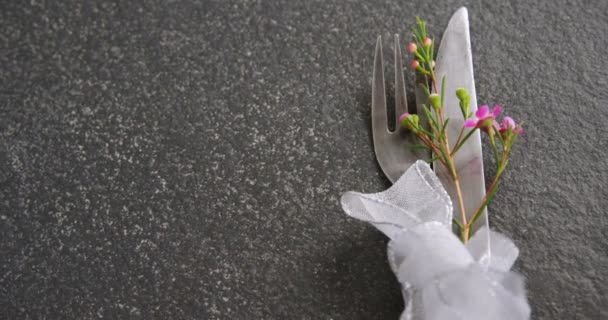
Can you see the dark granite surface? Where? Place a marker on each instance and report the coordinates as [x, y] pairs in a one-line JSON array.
[[184, 159]]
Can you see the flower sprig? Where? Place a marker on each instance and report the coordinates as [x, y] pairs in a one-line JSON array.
[[434, 137]]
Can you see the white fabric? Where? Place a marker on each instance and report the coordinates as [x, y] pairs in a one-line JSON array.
[[441, 277]]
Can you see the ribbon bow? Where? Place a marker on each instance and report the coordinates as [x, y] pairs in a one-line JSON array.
[[441, 277]]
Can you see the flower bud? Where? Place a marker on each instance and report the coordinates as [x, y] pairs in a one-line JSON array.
[[464, 98], [409, 121], [433, 64], [411, 47], [414, 64], [462, 94], [427, 42], [435, 101]]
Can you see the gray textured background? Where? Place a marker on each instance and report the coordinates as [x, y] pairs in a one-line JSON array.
[[184, 159]]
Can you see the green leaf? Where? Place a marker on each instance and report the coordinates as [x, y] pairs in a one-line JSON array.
[[446, 160], [433, 159], [429, 116], [421, 26], [493, 143], [418, 41], [466, 137], [445, 124], [458, 224], [420, 146], [421, 58], [486, 202], [426, 133], [464, 107], [502, 168], [417, 36], [425, 88]]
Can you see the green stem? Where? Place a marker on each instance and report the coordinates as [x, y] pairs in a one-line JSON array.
[[466, 137], [459, 137], [490, 191], [493, 142]]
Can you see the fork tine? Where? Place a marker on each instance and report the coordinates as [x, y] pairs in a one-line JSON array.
[[379, 117], [400, 99]]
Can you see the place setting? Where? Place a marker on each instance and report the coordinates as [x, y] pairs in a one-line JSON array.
[[449, 262]]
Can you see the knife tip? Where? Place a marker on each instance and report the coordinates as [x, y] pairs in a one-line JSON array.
[[462, 12]]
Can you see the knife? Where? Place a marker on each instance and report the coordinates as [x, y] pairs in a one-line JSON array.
[[454, 60]]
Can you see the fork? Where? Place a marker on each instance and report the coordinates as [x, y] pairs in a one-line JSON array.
[[391, 147]]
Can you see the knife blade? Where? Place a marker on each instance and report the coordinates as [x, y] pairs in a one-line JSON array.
[[454, 60]]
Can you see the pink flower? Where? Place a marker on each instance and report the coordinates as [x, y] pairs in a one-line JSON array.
[[414, 64], [427, 42], [509, 124], [484, 119]]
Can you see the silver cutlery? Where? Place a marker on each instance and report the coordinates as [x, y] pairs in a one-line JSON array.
[[394, 150]]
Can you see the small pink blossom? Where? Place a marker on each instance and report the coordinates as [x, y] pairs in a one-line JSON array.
[[484, 119], [414, 64], [509, 124], [427, 42], [411, 47]]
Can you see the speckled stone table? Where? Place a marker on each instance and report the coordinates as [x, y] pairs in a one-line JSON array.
[[184, 159]]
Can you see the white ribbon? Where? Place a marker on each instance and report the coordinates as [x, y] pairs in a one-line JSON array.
[[441, 277]]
